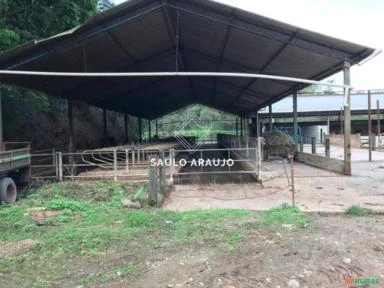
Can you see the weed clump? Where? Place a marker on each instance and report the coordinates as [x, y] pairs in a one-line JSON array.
[[285, 214], [356, 210]]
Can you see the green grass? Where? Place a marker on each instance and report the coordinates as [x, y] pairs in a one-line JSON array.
[[233, 241], [107, 276], [92, 223], [66, 204], [202, 225], [356, 210], [285, 215]]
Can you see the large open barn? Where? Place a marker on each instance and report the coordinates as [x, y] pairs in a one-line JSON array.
[[256, 204]]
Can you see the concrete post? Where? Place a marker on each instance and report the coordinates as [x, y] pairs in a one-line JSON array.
[[115, 165], [295, 125], [127, 160], [327, 148], [152, 182], [258, 150], [162, 181], [60, 165], [259, 163], [313, 142], [270, 118], [302, 144], [172, 167], [347, 120]]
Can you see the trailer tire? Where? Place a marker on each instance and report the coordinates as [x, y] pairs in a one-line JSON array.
[[8, 190]]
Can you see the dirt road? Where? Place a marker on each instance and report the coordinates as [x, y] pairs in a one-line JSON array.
[[333, 249]]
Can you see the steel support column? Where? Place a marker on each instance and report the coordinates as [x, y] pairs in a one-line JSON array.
[[237, 127], [157, 129], [295, 125], [347, 120]]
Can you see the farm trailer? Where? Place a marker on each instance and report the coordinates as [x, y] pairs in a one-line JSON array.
[[15, 169]]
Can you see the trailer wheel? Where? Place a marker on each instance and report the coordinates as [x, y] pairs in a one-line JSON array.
[[8, 190]]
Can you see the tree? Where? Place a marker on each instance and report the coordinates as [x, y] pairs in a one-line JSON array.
[[312, 89], [25, 20]]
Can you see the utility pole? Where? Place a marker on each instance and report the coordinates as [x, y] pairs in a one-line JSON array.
[[378, 126], [369, 127], [295, 125], [347, 120]]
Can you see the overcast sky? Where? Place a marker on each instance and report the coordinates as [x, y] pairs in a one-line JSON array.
[[358, 21]]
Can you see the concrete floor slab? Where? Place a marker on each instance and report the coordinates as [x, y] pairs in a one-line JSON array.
[[316, 190]]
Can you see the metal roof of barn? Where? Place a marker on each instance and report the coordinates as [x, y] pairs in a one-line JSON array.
[[206, 36]]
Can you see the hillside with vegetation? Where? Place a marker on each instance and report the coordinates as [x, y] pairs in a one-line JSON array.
[[36, 117]]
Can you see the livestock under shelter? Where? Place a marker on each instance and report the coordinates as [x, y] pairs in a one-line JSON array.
[[149, 58]]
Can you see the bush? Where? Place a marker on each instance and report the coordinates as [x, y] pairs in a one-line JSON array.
[[278, 143]]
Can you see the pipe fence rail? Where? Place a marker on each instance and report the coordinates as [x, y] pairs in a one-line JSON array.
[[92, 164], [236, 155], [251, 148]]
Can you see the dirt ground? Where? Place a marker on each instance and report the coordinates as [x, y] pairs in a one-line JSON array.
[[317, 190], [332, 249], [10, 248]]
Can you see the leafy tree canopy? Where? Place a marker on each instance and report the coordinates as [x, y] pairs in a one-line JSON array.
[[25, 20]]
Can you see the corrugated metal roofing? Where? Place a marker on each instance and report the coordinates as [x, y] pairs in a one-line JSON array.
[[141, 35]]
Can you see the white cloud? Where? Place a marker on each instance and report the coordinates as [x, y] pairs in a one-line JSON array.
[[352, 20]]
